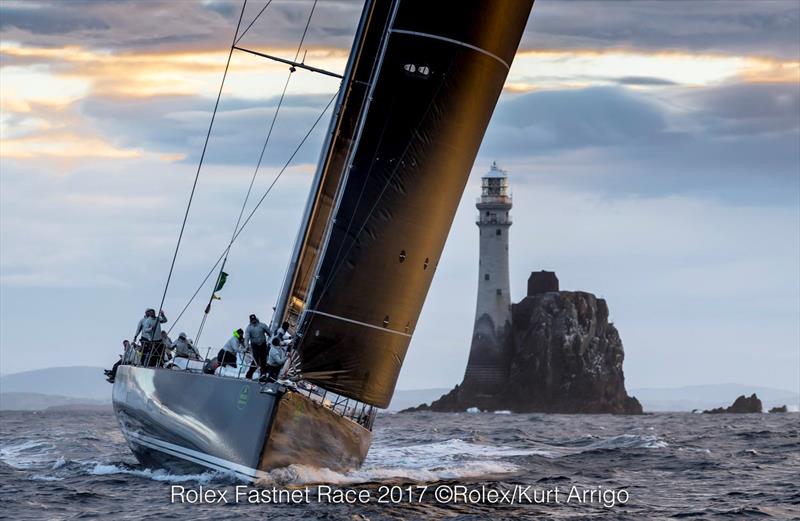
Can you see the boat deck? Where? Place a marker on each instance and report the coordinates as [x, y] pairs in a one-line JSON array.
[[359, 412]]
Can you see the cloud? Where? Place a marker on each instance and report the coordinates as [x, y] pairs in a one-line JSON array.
[[167, 25], [766, 28], [747, 109], [580, 68], [111, 222], [736, 142], [239, 131], [644, 80], [546, 121]]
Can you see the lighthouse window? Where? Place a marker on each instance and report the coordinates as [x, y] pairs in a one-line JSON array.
[[499, 291], [486, 276], [499, 232]]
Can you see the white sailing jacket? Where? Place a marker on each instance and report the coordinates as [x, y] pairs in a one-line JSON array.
[[233, 345]]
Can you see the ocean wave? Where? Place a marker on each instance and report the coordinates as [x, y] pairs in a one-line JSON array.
[[38, 477], [429, 462], [627, 441], [101, 469], [305, 475], [442, 452], [27, 454]]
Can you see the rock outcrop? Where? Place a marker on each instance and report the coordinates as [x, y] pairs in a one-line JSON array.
[[780, 409], [742, 405], [562, 355]]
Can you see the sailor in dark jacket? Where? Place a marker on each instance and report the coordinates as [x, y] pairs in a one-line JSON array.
[[255, 337], [282, 332]]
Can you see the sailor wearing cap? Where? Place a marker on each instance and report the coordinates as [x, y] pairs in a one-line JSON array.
[[255, 338]]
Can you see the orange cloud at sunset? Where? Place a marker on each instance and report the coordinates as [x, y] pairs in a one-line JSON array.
[[66, 145], [41, 85], [536, 68], [169, 73]]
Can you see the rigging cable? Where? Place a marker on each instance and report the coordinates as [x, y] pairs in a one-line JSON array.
[[253, 211], [252, 22], [244, 205], [260, 159], [202, 157]]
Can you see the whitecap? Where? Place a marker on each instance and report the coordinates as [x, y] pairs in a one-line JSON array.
[[101, 469], [45, 478], [628, 441], [445, 452], [304, 475], [26, 454]]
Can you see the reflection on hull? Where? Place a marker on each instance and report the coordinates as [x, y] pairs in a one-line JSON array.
[[183, 421]]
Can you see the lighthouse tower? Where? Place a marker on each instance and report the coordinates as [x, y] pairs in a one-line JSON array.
[[486, 367]]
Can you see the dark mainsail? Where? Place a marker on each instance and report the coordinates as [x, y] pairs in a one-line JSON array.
[[421, 85]]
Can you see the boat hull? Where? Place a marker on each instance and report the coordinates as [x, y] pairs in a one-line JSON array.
[[185, 421]]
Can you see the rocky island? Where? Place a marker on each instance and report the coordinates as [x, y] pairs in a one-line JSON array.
[[559, 354], [741, 405]]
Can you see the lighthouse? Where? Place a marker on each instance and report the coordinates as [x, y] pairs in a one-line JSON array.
[[486, 367]]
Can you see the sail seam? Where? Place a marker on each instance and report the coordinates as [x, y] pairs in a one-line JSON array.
[[387, 330], [451, 40]]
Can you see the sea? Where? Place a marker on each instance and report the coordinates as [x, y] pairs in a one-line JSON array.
[[76, 465]]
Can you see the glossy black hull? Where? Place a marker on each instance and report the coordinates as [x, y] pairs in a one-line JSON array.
[[185, 422]]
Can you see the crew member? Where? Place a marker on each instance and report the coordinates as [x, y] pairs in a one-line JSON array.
[[150, 329], [255, 337], [166, 347], [111, 374], [184, 348], [282, 331], [234, 345], [276, 358]]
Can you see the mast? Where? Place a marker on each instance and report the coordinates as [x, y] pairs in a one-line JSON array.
[[327, 180]]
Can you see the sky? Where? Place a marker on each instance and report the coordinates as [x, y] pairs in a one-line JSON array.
[[653, 155]]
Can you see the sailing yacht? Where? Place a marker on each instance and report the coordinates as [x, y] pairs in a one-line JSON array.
[[417, 94]]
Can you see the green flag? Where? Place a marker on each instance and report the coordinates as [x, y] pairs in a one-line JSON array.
[[221, 281]]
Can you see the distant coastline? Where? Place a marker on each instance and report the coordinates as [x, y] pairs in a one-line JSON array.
[[48, 402], [85, 386]]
